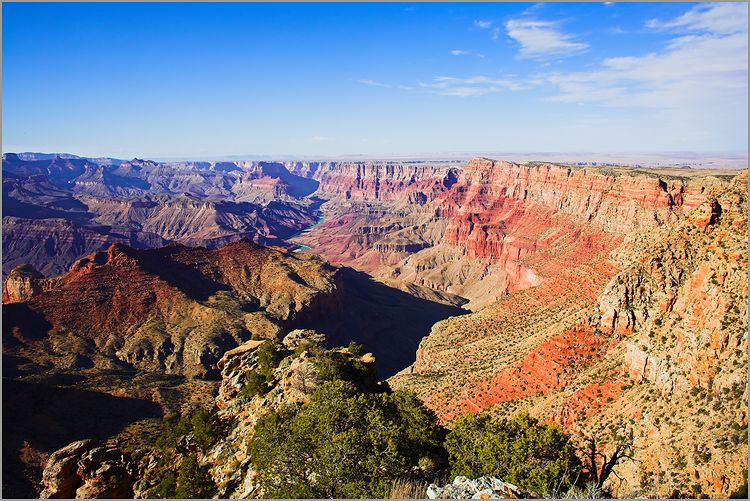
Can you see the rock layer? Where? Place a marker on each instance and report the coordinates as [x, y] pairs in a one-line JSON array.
[[643, 331]]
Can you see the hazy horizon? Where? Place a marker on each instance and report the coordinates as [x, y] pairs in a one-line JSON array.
[[728, 160]]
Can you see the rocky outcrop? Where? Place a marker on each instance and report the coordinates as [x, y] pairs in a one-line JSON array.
[[480, 488], [21, 284], [88, 470], [290, 384]]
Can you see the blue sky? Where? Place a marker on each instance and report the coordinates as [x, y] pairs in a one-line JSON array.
[[209, 80]]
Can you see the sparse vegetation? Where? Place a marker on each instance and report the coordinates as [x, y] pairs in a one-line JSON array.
[[194, 480], [334, 365], [255, 384], [205, 429], [269, 356], [356, 348], [536, 457], [344, 443]]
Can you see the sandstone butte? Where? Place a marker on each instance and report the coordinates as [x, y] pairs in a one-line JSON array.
[[599, 299]]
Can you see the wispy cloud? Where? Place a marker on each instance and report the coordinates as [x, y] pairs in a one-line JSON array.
[[717, 18], [458, 52], [609, 4], [486, 24], [703, 66], [320, 139], [373, 83], [542, 39], [472, 86]]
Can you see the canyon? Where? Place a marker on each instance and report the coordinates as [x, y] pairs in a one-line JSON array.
[[604, 299]]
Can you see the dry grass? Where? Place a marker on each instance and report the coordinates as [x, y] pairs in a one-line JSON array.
[[408, 489]]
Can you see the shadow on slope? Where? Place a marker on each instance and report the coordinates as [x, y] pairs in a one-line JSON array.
[[40, 418], [388, 322]]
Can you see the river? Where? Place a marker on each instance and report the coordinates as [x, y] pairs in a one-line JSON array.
[[303, 247]]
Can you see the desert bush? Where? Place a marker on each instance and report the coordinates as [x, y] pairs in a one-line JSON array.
[[205, 429], [194, 481], [333, 366], [536, 457], [356, 348], [255, 384], [166, 489], [343, 444], [269, 356]]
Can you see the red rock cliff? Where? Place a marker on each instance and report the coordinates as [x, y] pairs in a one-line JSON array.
[[384, 181], [492, 199]]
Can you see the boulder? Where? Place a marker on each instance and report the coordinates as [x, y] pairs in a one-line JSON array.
[[60, 478], [297, 336], [87, 469], [21, 284]]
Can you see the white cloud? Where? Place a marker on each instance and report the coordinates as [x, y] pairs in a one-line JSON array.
[[486, 24], [458, 52], [542, 39], [703, 68], [609, 4], [373, 83], [717, 18], [472, 86], [320, 139]]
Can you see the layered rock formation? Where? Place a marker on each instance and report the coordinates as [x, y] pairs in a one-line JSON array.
[[177, 309], [417, 182], [476, 230], [639, 323], [172, 309], [76, 206]]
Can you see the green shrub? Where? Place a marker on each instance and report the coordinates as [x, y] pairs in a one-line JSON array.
[[343, 444], [205, 429], [356, 348], [269, 356], [255, 384], [166, 489], [175, 427], [306, 345], [194, 481], [534, 456], [333, 366]]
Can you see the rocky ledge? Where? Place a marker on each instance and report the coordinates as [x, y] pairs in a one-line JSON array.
[[86, 470]]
